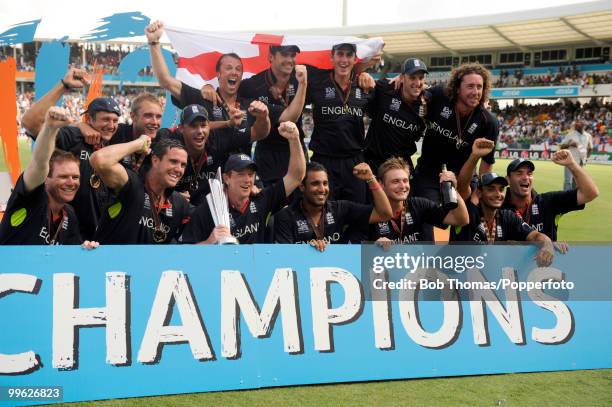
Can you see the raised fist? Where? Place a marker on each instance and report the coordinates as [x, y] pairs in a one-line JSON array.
[[482, 146], [258, 109], [563, 157], [154, 31], [301, 74], [288, 130], [57, 117], [363, 172], [76, 78]]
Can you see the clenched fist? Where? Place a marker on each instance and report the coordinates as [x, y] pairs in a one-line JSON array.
[[289, 130], [258, 109], [57, 117]]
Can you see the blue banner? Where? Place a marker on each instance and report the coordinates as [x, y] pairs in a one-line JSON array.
[[139, 320], [535, 92]]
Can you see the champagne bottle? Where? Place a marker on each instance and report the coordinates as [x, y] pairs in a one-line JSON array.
[[448, 194]]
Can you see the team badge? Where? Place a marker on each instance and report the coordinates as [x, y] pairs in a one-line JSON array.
[[330, 93], [395, 104], [499, 231], [290, 90], [147, 202], [534, 209], [302, 226], [357, 93], [329, 218], [383, 228], [217, 113], [252, 207], [472, 128], [409, 220], [446, 112]]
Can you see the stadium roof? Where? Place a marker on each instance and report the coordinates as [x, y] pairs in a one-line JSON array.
[[524, 30]]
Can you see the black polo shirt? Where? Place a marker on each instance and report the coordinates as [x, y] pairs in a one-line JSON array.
[[546, 209], [291, 224], [440, 141], [257, 87], [418, 211], [248, 226], [508, 227], [217, 150], [190, 96], [26, 219], [338, 126], [129, 219], [88, 202], [396, 125]]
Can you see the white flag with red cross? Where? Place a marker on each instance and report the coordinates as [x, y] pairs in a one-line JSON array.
[[198, 51]]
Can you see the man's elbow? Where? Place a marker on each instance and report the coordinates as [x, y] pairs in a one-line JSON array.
[[97, 161]]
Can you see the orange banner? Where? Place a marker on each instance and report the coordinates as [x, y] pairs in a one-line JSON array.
[[8, 117]]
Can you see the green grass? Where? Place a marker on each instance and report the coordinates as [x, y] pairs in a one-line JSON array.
[[573, 388]]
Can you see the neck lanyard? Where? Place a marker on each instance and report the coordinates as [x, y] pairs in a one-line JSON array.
[[226, 106], [344, 96], [400, 230], [271, 82], [159, 235], [319, 228], [525, 213], [94, 180], [56, 235], [490, 228], [459, 129], [195, 184]]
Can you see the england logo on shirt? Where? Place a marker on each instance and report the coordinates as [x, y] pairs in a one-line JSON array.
[[472, 128], [383, 228], [409, 220], [169, 212], [330, 93], [147, 202], [395, 104], [446, 112], [499, 231], [357, 93], [302, 226], [263, 99], [217, 113], [329, 218], [252, 207], [534, 209], [290, 90]]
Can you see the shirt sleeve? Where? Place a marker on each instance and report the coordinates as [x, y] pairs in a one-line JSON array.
[[275, 197], [20, 198], [283, 227], [430, 212], [189, 96], [517, 229], [199, 227], [354, 213], [492, 134], [560, 202]]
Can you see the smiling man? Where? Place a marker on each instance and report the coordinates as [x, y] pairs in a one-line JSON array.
[[248, 214], [396, 124], [145, 208], [456, 117], [38, 211]]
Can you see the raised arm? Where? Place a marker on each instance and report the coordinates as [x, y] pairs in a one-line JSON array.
[[154, 32], [297, 162], [382, 211], [481, 147], [293, 112], [38, 168], [106, 161], [34, 117], [261, 128], [587, 190]]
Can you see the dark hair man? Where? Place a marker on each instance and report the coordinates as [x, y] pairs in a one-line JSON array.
[[145, 208], [543, 211], [230, 115], [248, 214], [409, 212], [38, 211], [315, 220], [396, 120], [489, 223]]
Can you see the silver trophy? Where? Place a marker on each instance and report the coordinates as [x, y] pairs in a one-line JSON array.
[[219, 208]]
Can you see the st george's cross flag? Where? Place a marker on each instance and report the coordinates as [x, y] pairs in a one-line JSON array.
[[198, 51]]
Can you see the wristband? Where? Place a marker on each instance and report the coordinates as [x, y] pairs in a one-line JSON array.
[[373, 179], [153, 43], [65, 85], [374, 186]]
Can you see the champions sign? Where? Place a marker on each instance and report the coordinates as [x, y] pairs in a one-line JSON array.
[[137, 320]]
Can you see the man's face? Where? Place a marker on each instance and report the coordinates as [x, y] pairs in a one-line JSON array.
[[343, 61], [491, 196], [469, 93], [396, 184], [64, 182], [239, 183], [521, 182], [171, 167], [315, 188], [230, 75], [147, 120], [413, 85], [579, 126], [283, 62], [106, 123], [195, 134]]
